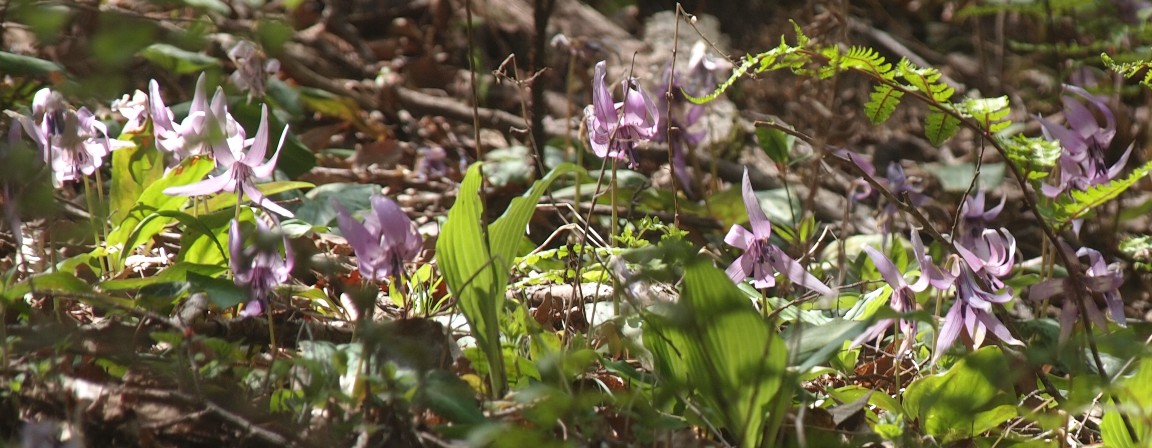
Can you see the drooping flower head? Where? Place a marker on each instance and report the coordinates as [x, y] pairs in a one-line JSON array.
[[242, 170], [614, 129], [253, 68], [1103, 281], [207, 130], [761, 259], [134, 109], [974, 219], [903, 298], [72, 142], [383, 242], [983, 266], [1085, 142], [258, 264]]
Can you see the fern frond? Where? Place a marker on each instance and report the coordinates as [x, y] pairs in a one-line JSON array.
[[739, 71], [1034, 155], [866, 60], [1130, 69], [939, 126], [881, 103], [989, 112], [1078, 203], [926, 80]]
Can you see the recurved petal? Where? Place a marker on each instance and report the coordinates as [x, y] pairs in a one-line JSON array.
[[362, 241], [257, 197], [886, 268], [949, 331], [738, 270], [603, 107], [761, 226], [738, 237], [795, 272], [223, 182]]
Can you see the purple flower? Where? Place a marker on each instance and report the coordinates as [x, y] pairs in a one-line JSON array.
[[974, 218], [1085, 142], [432, 163], [208, 128], [241, 170], [1102, 280], [133, 108], [972, 311], [698, 78], [761, 260], [72, 142], [259, 266], [903, 298], [383, 242], [615, 129], [252, 68], [983, 264]]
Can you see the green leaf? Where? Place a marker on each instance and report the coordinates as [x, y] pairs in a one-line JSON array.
[[133, 169], [866, 60], [926, 80], [1130, 69], [20, 65], [881, 103], [142, 222], [476, 271], [176, 273], [956, 178], [450, 397], [974, 396], [59, 282], [776, 144], [316, 207], [1035, 156], [178, 60], [940, 126], [221, 292], [1077, 203], [715, 343], [991, 113]]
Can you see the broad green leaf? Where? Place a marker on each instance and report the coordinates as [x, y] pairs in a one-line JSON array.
[[133, 169], [142, 222], [967, 400], [177, 272], [204, 238], [776, 144], [450, 397], [1077, 203], [178, 60], [221, 292], [20, 65], [476, 264], [316, 207], [957, 178], [59, 282], [715, 343]]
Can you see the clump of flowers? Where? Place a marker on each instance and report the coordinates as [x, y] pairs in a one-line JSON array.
[[1103, 281], [383, 242], [974, 218], [241, 170], [259, 265], [684, 116], [982, 268], [903, 298], [253, 68], [1084, 141], [761, 259], [614, 129], [72, 142], [208, 128]]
